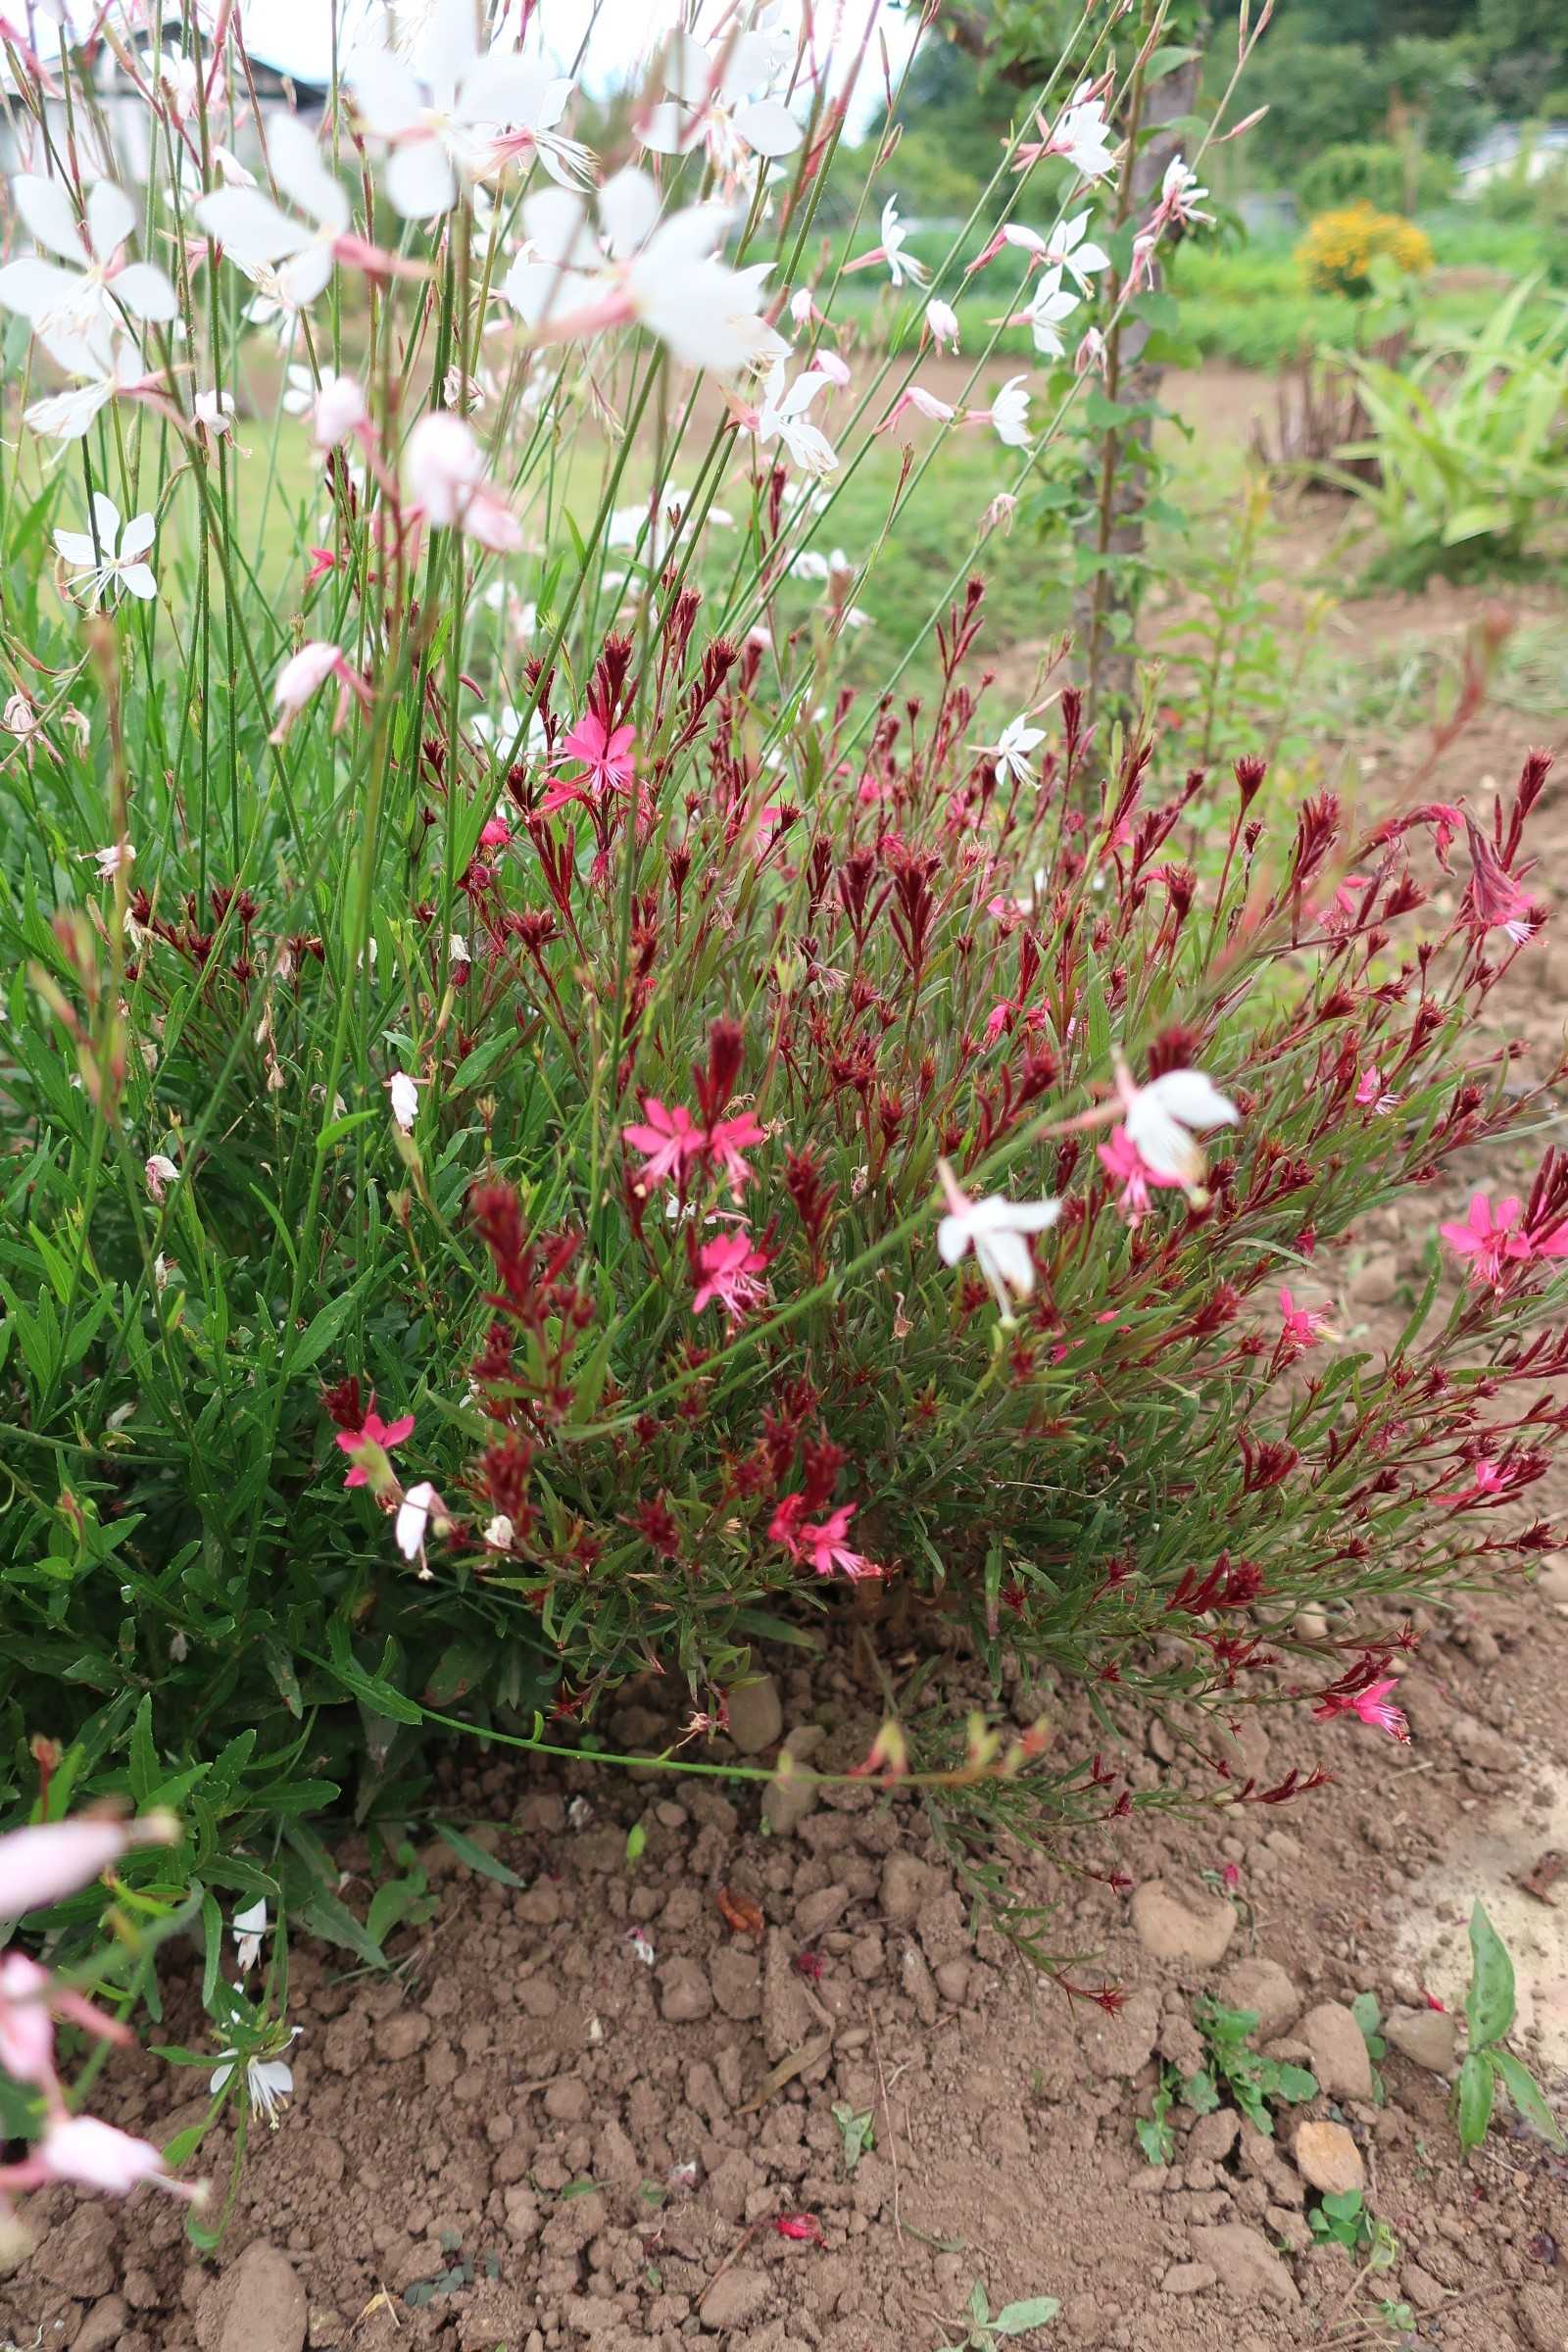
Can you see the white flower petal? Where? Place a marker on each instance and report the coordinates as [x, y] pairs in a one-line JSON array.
[[249, 226], [145, 291], [768, 127], [139, 583], [1192, 1097], [628, 208], [34, 288], [302, 176], [50, 215], [110, 217], [419, 180]]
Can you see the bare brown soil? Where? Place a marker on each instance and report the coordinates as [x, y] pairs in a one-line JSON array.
[[534, 2135]]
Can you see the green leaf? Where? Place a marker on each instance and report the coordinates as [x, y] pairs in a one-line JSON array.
[[1477, 2087], [1200, 2093], [1342, 2205], [1526, 2093], [1489, 2003], [145, 1770], [487, 1866], [1017, 2318], [1293, 2083], [1156, 2138]]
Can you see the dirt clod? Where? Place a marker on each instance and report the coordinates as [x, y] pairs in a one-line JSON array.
[[1182, 1924], [1262, 1987], [684, 1992], [264, 2303], [733, 2298], [1339, 2051], [1428, 2036], [1244, 2262]]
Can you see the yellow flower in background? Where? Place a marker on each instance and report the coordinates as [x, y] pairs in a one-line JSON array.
[[1336, 254]]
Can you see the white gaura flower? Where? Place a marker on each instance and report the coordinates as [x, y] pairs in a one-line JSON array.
[[340, 410], [404, 1092], [250, 1926], [459, 113], [65, 307], [941, 325], [268, 2081], [1015, 749], [1083, 135], [1044, 312], [903, 267], [782, 418], [666, 275], [444, 475], [1164, 1118], [113, 368], [998, 1231], [1008, 414], [552, 270], [159, 1173], [413, 1514], [1071, 250], [270, 307], [116, 561], [708, 98], [255, 232], [109, 861], [214, 412]]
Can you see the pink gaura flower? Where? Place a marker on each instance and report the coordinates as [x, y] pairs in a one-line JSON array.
[[1126, 1165], [667, 1139], [1491, 1244], [495, 834], [1485, 1479], [724, 1144], [606, 755], [1304, 1326], [303, 673], [1494, 899], [1370, 1707], [30, 2002], [924, 403], [1371, 1094], [382, 1434], [728, 1270], [828, 1550]]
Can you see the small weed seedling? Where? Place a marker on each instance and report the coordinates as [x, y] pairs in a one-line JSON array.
[[984, 2332], [1235, 2068], [1342, 2220], [1490, 2008], [858, 2134], [1364, 2009]]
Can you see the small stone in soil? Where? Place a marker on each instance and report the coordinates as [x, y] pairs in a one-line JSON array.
[[1328, 2157], [1262, 1987], [1339, 2051], [1542, 2318], [905, 1883], [755, 1714], [1244, 2262], [735, 2297], [264, 2303], [1182, 1924], [1188, 2278], [684, 1992], [1428, 2036]]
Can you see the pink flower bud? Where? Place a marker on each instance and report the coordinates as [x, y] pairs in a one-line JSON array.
[[340, 411], [42, 1865]]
